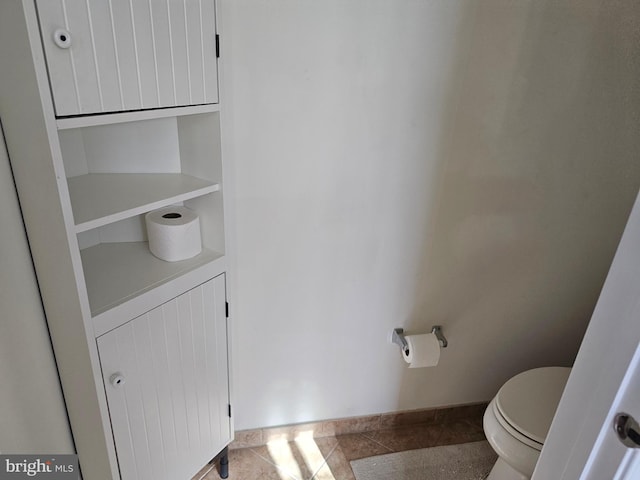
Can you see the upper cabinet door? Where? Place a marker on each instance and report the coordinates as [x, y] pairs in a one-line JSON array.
[[119, 55]]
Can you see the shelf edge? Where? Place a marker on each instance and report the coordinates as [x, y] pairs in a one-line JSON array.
[[132, 212], [139, 115]]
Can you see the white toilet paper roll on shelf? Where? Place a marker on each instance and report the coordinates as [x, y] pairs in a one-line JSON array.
[[424, 350], [173, 233]]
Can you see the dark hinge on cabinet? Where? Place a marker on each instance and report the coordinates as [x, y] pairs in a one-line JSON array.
[[229, 410], [226, 309], [217, 45]]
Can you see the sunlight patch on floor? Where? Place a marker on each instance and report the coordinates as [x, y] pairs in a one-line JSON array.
[[282, 456], [313, 456], [285, 458]]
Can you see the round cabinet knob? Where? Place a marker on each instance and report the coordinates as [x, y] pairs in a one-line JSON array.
[[116, 380], [62, 38]]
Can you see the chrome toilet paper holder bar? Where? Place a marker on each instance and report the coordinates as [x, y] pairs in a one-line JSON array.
[[397, 337], [437, 331]]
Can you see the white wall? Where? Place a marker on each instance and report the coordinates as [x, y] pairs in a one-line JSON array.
[[32, 413], [408, 163]]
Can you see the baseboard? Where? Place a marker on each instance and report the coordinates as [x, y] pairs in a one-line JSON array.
[[343, 426]]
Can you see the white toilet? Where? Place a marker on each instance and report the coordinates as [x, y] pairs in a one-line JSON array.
[[517, 420]]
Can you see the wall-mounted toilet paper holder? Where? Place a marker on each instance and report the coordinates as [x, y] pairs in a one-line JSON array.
[[397, 337]]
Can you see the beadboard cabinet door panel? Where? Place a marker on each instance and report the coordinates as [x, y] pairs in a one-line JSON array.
[[123, 55], [166, 378]]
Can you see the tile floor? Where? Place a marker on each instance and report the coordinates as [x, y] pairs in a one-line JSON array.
[[327, 458]]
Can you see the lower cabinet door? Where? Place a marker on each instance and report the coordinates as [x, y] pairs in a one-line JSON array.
[[166, 379]]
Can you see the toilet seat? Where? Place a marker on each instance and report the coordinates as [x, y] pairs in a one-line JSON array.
[[518, 419], [526, 404], [513, 431], [516, 460]]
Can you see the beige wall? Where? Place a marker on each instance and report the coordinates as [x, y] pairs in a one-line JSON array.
[[32, 413], [408, 163]]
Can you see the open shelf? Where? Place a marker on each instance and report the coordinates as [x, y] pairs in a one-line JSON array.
[[118, 272], [98, 199]]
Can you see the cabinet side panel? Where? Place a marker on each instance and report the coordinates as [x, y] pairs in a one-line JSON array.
[[200, 146], [28, 119], [210, 209], [200, 156], [73, 153], [33, 418]]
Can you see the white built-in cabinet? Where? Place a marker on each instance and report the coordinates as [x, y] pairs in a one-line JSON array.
[[110, 110]]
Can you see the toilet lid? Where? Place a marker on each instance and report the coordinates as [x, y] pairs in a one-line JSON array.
[[529, 400]]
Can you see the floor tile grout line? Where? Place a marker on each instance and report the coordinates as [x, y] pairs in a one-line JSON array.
[[364, 434], [436, 440], [262, 457], [273, 464], [325, 461], [284, 469]]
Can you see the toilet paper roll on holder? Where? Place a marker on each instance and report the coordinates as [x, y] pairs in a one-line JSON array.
[[397, 337]]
